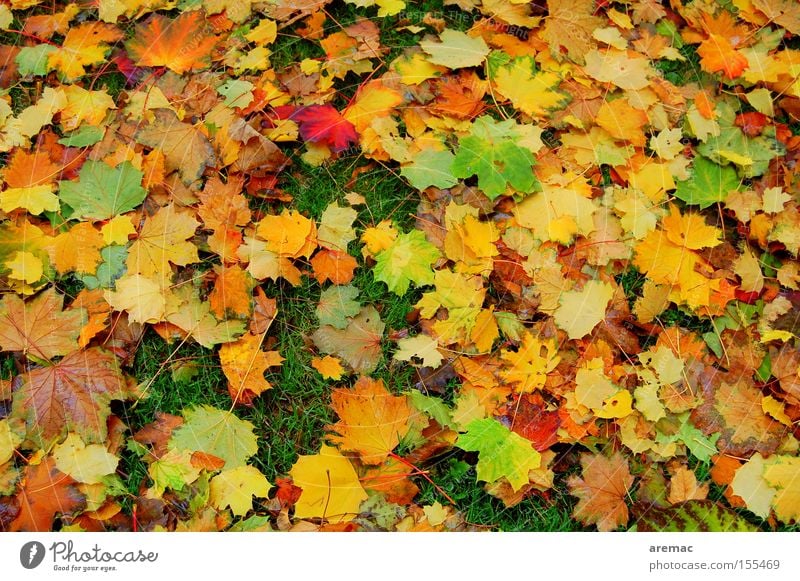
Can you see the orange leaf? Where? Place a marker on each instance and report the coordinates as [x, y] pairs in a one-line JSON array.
[[39, 327], [30, 169], [329, 367], [371, 420], [333, 265], [181, 45], [232, 293], [46, 491], [72, 395], [602, 491], [244, 364], [718, 55]]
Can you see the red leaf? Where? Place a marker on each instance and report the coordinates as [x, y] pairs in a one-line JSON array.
[[531, 421], [324, 124], [752, 123]]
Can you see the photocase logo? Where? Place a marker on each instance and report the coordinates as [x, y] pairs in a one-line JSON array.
[[31, 554]]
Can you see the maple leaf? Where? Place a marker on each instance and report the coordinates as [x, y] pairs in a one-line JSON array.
[[359, 343], [39, 327], [430, 168], [570, 24], [501, 452], [371, 420], [181, 45], [493, 153], [103, 192], [244, 363], [83, 45], [216, 432], [580, 311], [72, 395], [333, 265], [532, 92], [185, 148], [602, 490], [235, 488], [407, 259], [329, 367], [717, 54], [331, 488], [336, 305], [161, 241], [421, 346], [324, 124], [193, 316], [530, 364], [45, 492], [709, 183], [232, 292], [456, 50], [87, 464]]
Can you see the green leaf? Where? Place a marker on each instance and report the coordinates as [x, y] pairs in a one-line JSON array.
[[407, 260], [237, 93], [84, 136], [690, 517], [337, 304], [501, 452], [432, 406], [217, 432], [108, 271], [32, 60], [456, 50], [492, 152], [102, 191], [751, 154], [710, 183], [430, 168]]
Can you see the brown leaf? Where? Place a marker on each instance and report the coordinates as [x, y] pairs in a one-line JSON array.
[[602, 491], [39, 327], [72, 395], [184, 147], [359, 344], [684, 486], [371, 420], [46, 491]]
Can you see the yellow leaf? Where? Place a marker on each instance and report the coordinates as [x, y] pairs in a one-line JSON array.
[[163, 240], [141, 297], [329, 367], [331, 489], [689, 230], [580, 311], [530, 364], [236, 488], [84, 106], [117, 230], [749, 484], [775, 408], [372, 100], [25, 266], [619, 68], [265, 32], [372, 421], [244, 363], [748, 268], [533, 93], [557, 213], [290, 234], [9, 440], [616, 406], [592, 387], [35, 199], [623, 121], [78, 250], [87, 464], [781, 473]]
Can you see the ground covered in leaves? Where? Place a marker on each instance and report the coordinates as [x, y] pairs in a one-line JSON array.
[[375, 265]]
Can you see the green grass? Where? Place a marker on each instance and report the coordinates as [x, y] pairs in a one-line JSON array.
[[459, 480]]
